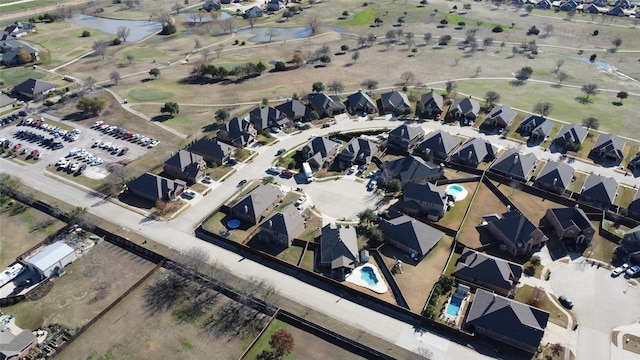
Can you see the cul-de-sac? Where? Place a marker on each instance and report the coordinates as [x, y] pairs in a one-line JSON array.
[[320, 179]]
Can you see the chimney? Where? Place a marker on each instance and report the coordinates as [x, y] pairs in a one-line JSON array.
[[246, 209], [470, 154], [555, 180], [270, 224], [515, 159]]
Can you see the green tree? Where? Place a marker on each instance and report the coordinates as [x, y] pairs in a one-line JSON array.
[[221, 116], [91, 106], [325, 59], [367, 216], [622, 95], [524, 73], [375, 236], [589, 90], [447, 282], [394, 185], [155, 72], [535, 260], [170, 107], [317, 87], [450, 86]]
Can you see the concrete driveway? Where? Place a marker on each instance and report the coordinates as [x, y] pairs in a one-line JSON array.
[[601, 303]]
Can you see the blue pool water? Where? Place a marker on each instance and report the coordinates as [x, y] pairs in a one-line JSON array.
[[368, 275], [454, 307], [454, 190]]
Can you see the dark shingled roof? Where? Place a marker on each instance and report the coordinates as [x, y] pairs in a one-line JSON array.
[[339, 246], [466, 107], [516, 165], [483, 268], [257, 201], [504, 115], [412, 233], [433, 100], [360, 101], [407, 132], [537, 124], [572, 132], [428, 193], [609, 143], [507, 318], [325, 104], [295, 110], [211, 148], [185, 161], [515, 227], [284, 222], [568, 217], [154, 186], [34, 87], [600, 188], [439, 141], [556, 174], [412, 169], [475, 149], [394, 99]]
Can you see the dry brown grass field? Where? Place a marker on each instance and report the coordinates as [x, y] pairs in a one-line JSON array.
[[484, 203]]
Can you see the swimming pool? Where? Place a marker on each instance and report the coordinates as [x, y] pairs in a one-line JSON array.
[[457, 191], [454, 306], [368, 276]]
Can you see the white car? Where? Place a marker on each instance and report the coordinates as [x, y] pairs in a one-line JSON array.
[[634, 270], [620, 269], [154, 143], [97, 143], [274, 170], [207, 180]]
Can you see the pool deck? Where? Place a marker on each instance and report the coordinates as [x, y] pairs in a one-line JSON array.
[[454, 320], [459, 195], [356, 278]]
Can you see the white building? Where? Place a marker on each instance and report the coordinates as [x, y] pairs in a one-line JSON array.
[[51, 261]]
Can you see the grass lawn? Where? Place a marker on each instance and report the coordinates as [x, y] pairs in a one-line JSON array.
[[16, 75], [132, 330], [484, 203], [218, 223], [453, 218], [307, 260], [23, 224], [631, 153], [291, 254], [615, 228], [142, 94], [72, 300], [451, 266], [22, 6], [306, 345], [194, 121], [538, 169], [577, 182], [199, 188], [601, 248], [533, 207], [417, 281], [314, 224], [525, 295], [625, 196], [219, 172]]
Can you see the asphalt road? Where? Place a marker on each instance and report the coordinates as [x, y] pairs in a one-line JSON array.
[[178, 234]]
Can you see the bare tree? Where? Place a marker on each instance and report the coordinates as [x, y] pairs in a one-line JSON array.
[[543, 108], [559, 64], [194, 259], [561, 76], [100, 48], [197, 44], [362, 41], [90, 82], [478, 70], [252, 20], [355, 56], [115, 77], [123, 33], [427, 38], [617, 41], [409, 39], [548, 28], [129, 58], [370, 84], [163, 16], [227, 25], [313, 22], [177, 7], [205, 54], [218, 49], [272, 32], [408, 77], [336, 86]]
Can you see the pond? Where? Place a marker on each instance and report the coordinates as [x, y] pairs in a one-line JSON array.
[[139, 29], [204, 18], [262, 33]]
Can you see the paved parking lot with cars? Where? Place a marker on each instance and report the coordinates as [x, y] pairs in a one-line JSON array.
[[600, 301]]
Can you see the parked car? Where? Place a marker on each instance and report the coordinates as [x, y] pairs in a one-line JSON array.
[[281, 151], [301, 200], [326, 125], [34, 153], [372, 184], [207, 180], [619, 270], [286, 173], [275, 130], [634, 270], [188, 194], [242, 182], [274, 170], [17, 147], [566, 302]]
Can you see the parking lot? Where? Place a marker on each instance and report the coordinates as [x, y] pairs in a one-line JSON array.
[[601, 302], [51, 143]]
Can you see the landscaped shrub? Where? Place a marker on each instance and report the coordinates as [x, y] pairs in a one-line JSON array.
[[280, 66], [168, 29], [86, 33], [497, 29], [533, 30], [593, 57], [116, 41]]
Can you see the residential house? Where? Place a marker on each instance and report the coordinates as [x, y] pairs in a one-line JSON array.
[[282, 227], [186, 166], [320, 152], [237, 132], [275, 5], [600, 3], [599, 191], [395, 102], [501, 116], [412, 169], [254, 206], [253, 12], [473, 152], [325, 105], [360, 103], [543, 5], [410, 235], [536, 127], [212, 5], [424, 199], [507, 321], [480, 270], [404, 138], [568, 6], [634, 207], [608, 147], [625, 4], [464, 109], [339, 250], [19, 29], [6, 102], [570, 225], [433, 101], [555, 177], [16, 52], [34, 88], [16, 343], [571, 133], [631, 241], [358, 151], [438, 144], [294, 110], [156, 188], [214, 152], [262, 118], [616, 11], [591, 9], [634, 163], [515, 231], [514, 165]]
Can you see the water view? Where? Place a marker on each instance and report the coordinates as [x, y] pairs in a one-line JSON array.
[[140, 29]]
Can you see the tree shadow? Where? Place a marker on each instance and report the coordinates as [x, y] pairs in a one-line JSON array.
[[161, 118], [583, 100], [516, 82], [76, 116], [616, 103]]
